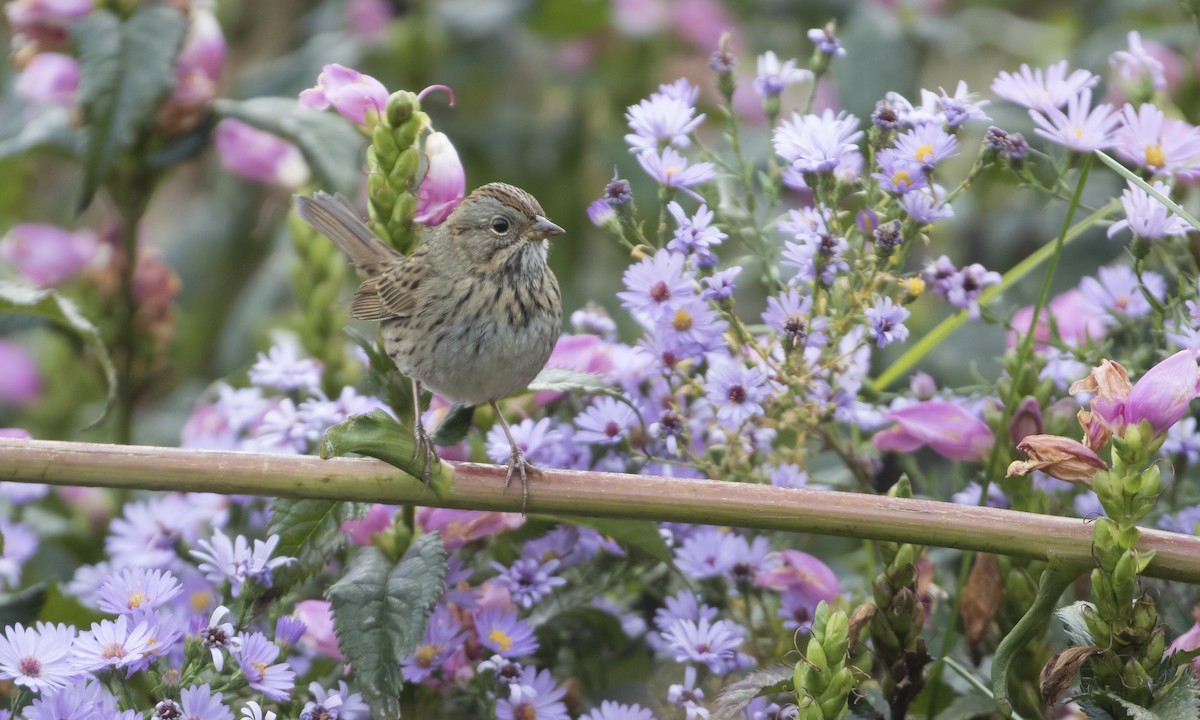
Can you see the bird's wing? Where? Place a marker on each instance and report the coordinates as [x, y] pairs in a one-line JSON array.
[[335, 218], [392, 293]]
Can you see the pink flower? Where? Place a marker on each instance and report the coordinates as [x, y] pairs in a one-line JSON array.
[[1075, 317], [1058, 457], [947, 428], [377, 519], [15, 433], [318, 635], [47, 255], [201, 60], [1161, 397], [350, 92], [445, 181], [1187, 642], [459, 527], [258, 155], [45, 20], [583, 352], [20, 383], [369, 18], [49, 79], [799, 571]]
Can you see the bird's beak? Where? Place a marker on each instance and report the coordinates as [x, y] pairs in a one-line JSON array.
[[543, 228]]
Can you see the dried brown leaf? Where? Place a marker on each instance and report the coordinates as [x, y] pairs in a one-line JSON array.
[[1061, 670], [981, 598]]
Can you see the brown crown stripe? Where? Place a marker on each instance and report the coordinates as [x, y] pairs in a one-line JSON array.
[[510, 195]]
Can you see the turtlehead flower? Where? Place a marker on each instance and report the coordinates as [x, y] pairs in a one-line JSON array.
[[1146, 217], [1058, 457], [38, 18], [198, 68], [49, 79], [357, 97], [818, 143], [445, 181], [1043, 89], [258, 155], [1161, 397], [773, 77], [947, 428], [48, 255], [1081, 128]]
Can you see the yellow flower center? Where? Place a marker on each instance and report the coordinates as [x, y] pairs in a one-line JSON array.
[[923, 153], [502, 640], [1078, 132], [672, 171], [1155, 157], [200, 600], [260, 670], [901, 177], [682, 321], [913, 286], [426, 655]]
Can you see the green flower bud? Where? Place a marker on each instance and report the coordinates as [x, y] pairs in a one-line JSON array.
[[401, 106]]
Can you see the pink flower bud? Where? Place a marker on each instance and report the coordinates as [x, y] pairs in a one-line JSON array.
[[1026, 420], [459, 527], [318, 634], [1187, 642], [50, 79], [259, 155], [20, 383], [45, 21], [948, 429], [1163, 394], [445, 181], [1059, 457], [201, 60], [369, 18], [798, 571], [47, 255], [377, 519], [348, 91]]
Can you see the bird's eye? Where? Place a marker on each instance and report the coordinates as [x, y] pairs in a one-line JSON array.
[[499, 225]]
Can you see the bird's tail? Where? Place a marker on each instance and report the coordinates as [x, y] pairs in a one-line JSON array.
[[335, 218]]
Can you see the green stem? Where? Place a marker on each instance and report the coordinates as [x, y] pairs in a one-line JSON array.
[[1131, 177]]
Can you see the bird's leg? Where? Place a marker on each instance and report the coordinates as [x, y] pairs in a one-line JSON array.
[[516, 461], [421, 442]]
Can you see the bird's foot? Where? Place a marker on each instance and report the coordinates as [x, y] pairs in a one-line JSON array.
[[517, 464], [422, 445]]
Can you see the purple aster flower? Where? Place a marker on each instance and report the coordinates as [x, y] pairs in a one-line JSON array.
[[887, 237], [926, 145], [1116, 291], [357, 97], [508, 677], [1162, 145], [20, 543], [687, 697], [720, 285], [965, 286], [282, 430], [746, 559], [1043, 89], [38, 658], [666, 117], [610, 710], [826, 42], [711, 643], [605, 422], [736, 391], [201, 703], [592, 319], [137, 589], [655, 286], [253, 711], [601, 213], [235, 561], [817, 258], [617, 193], [258, 155], [1136, 68], [972, 494], [544, 442], [218, 636], [255, 657], [501, 631], [83, 699], [707, 553], [773, 77], [790, 314], [1185, 521], [1146, 217], [671, 170], [1182, 439], [899, 173], [818, 143], [543, 701], [804, 222], [927, 205], [886, 321], [329, 708], [695, 235], [1081, 128], [962, 106], [528, 580], [788, 475], [119, 643], [796, 608], [283, 368], [353, 707], [693, 330], [288, 630], [683, 605], [48, 255], [938, 275]]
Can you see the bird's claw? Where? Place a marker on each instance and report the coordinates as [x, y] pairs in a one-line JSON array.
[[422, 445], [518, 464]]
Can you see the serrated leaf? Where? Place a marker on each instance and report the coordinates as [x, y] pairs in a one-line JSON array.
[[49, 304], [554, 379], [454, 428], [1075, 627], [378, 435], [1180, 701], [23, 606], [638, 534], [330, 144], [731, 702], [311, 532], [380, 610], [126, 69], [1133, 711], [49, 129]]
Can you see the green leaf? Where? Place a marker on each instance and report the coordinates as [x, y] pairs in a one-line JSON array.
[[60, 608], [126, 69], [378, 435], [1133, 711], [49, 304], [311, 532], [454, 428], [1075, 627], [638, 534], [1180, 701], [569, 18], [23, 606], [731, 702], [380, 611], [330, 144], [49, 129]]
